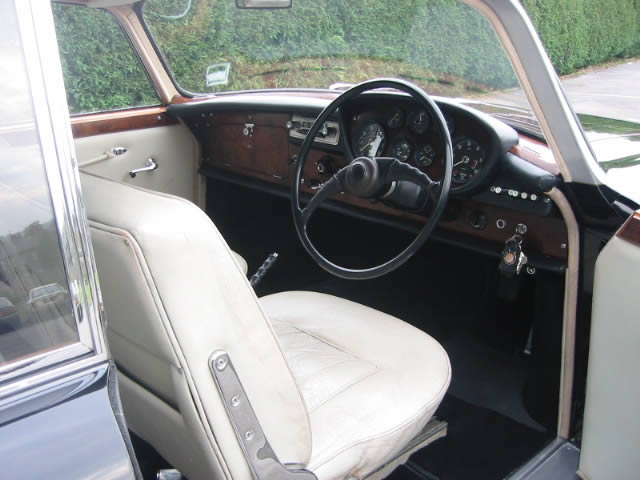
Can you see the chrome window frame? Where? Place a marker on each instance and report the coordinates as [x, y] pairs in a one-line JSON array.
[[53, 125], [543, 90]]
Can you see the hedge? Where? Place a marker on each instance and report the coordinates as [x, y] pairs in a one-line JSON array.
[[319, 42], [580, 33], [101, 72]]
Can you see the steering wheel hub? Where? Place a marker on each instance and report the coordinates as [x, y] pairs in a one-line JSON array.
[[362, 177]]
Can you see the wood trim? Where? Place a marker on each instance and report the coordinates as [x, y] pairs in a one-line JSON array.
[[630, 231], [122, 120], [536, 153]]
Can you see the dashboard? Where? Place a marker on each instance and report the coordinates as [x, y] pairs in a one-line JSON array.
[[498, 182]]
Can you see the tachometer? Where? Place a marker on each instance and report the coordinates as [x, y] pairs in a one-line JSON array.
[[468, 159], [370, 140], [419, 122], [425, 156], [401, 150]]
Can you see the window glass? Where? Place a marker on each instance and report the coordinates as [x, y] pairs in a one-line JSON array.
[[444, 46], [101, 70], [35, 306]]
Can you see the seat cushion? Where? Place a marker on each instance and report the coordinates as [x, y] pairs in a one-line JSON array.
[[241, 262], [370, 382]]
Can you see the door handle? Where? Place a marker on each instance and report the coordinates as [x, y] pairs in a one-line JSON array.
[[149, 165]]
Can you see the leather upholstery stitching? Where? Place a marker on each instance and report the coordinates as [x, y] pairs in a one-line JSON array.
[[166, 323], [373, 370]]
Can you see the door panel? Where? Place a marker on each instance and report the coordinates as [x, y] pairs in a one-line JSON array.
[[611, 425], [172, 147]]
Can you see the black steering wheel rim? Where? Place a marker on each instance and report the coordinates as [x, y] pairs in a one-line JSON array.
[[301, 216]]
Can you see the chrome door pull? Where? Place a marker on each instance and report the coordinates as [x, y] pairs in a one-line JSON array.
[[149, 165]]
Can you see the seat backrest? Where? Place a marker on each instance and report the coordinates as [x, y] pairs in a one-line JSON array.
[[173, 295]]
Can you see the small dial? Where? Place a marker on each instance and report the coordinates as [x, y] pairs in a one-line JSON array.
[[419, 122], [370, 140], [468, 159], [396, 120], [425, 156], [401, 150]]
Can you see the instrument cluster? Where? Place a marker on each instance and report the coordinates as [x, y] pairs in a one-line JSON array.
[[408, 134]]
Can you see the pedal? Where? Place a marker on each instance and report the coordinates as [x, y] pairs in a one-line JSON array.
[[257, 277]]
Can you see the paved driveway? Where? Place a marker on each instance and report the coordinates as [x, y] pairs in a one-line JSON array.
[[608, 92]]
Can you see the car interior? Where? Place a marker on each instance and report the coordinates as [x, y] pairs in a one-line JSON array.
[[411, 323]]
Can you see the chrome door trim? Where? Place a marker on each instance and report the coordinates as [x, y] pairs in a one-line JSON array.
[[40, 47]]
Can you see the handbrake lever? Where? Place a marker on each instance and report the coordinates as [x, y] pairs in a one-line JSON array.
[[264, 268]]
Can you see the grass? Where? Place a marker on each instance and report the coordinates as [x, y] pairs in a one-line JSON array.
[[325, 71]]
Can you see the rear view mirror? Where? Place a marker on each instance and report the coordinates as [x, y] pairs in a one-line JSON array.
[[263, 3]]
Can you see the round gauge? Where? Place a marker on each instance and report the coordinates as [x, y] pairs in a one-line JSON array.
[[419, 122], [425, 156], [370, 140], [468, 158], [401, 150], [396, 120]]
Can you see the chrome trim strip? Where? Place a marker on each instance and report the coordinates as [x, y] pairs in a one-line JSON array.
[[73, 366], [570, 312], [53, 125], [41, 359]]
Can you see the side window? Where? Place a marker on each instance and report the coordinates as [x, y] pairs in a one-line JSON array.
[[36, 312], [101, 70]]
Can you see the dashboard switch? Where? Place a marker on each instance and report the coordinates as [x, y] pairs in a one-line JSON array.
[[324, 166], [478, 220]]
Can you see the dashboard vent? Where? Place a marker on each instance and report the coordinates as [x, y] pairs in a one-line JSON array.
[[299, 127]]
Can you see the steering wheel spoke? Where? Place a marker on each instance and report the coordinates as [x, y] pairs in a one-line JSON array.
[[346, 143], [395, 170], [331, 187]]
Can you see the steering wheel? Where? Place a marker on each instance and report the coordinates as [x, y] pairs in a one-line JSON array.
[[372, 178]]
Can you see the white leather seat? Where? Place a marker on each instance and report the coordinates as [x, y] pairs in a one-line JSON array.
[[242, 263], [337, 387], [370, 382]]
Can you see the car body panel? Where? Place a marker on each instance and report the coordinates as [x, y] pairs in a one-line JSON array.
[[65, 430]]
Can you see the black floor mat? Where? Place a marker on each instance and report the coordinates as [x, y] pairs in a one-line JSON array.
[[480, 444]]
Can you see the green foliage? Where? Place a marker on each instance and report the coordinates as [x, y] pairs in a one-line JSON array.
[[579, 33], [443, 45], [101, 72]]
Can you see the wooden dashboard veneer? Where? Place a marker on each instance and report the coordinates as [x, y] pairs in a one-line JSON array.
[[264, 152], [120, 121], [630, 231]]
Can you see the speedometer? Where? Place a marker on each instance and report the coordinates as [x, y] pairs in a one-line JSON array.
[[468, 159], [370, 140]]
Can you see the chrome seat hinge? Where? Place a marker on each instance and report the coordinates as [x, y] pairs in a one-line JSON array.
[[262, 460]]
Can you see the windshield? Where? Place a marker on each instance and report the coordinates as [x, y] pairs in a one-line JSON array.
[[444, 46]]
